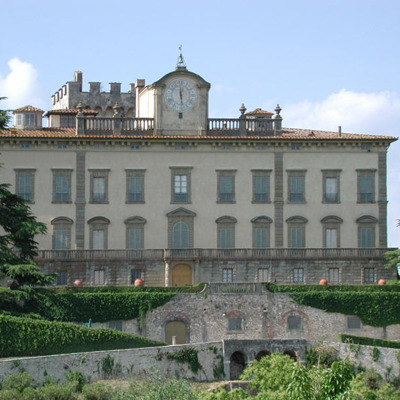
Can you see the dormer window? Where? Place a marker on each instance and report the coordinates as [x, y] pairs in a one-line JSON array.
[[30, 119]]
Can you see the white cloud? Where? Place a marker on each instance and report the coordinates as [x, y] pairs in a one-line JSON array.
[[20, 86], [366, 113], [371, 113]]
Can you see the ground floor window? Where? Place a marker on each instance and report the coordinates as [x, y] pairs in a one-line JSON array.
[[227, 275]]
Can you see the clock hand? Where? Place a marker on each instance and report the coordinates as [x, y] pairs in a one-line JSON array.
[[180, 93]]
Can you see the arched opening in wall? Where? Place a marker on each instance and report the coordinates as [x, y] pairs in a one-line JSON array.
[[291, 353], [181, 275], [109, 112], [130, 113], [177, 329], [262, 354], [99, 111], [237, 364]]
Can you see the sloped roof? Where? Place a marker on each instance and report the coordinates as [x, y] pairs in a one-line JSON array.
[[286, 134], [259, 112], [70, 111], [28, 109]]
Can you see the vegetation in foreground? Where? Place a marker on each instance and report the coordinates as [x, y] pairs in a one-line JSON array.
[[275, 377]]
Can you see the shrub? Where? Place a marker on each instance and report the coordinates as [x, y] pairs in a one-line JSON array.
[[321, 354], [18, 381], [98, 391]]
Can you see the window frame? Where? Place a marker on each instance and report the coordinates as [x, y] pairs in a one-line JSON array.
[[181, 172], [330, 174], [331, 278], [362, 174], [25, 173], [261, 222], [227, 275], [369, 275], [64, 173], [94, 174], [97, 224], [62, 278], [135, 174], [226, 224], [134, 223], [298, 276], [331, 222], [296, 222], [366, 222], [294, 323], [266, 174], [180, 215], [61, 223], [222, 197], [300, 174], [352, 321], [235, 323], [97, 273]]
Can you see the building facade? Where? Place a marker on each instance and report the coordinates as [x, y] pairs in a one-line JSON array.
[[157, 190]]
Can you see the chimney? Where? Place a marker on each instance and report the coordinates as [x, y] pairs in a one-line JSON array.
[[78, 77]]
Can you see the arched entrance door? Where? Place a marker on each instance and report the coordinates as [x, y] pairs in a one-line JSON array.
[[237, 364], [181, 275], [262, 354], [177, 329]]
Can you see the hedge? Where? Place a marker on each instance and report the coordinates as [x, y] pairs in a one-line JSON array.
[[374, 305], [99, 307], [29, 337], [366, 341], [125, 289]]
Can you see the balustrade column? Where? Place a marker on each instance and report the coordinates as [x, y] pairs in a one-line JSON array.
[[196, 274]]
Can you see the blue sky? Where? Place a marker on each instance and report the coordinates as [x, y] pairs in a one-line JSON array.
[[327, 63]]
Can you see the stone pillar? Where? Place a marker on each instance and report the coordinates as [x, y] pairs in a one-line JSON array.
[[242, 121], [382, 199], [196, 274], [167, 271], [278, 202], [277, 121], [117, 119]]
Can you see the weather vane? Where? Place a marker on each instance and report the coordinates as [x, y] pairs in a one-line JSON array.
[[181, 61]]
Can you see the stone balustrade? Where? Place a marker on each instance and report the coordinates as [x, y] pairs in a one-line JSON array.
[[220, 254]]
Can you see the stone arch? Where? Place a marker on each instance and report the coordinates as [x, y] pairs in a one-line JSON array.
[[261, 354], [177, 326], [295, 313], [109, 112], [237, 363]]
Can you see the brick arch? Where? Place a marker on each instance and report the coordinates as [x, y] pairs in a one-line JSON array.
[[295, 312]]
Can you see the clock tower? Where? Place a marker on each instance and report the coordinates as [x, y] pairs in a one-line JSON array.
[[178, 102]]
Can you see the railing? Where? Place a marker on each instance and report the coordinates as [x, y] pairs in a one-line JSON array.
[[152, 254], [235, 287], [224, 254], [145, 126]]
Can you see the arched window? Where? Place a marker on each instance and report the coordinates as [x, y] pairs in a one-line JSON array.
[[261, 231], [296, 232], [135, 232], [180, 235], [61, 233], [98, 227], [226, 232], [331, 231]]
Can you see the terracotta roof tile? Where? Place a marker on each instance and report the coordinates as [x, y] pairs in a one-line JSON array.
[[287, 134], [28, 109], [259, 111], [70, 111]]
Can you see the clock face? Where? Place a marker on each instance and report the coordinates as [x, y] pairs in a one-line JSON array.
[[180, 94]]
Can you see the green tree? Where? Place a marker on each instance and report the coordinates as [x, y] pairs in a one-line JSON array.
[[17, 243], [4, 116]]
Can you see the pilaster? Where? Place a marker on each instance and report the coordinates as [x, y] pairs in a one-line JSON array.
[[278, 201], [382, 199], [80, 200]]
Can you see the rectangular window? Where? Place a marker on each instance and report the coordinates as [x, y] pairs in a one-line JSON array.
[[61, 186], [298, 275], [99, 186], [369, 275], [294, 323], [333, 276], [62, 278], [296, 236], [62, 235], [366, 186], [117, 325], [261, 186], [296, 186], [99, 277], [68, 121], [331, 186], [135, 274], [353, 322], [331, 238], [180, 189], [25, 184], [30, 119], [98, 237], [181, 184], [226, 186], [135, 237], [226, 237], [235, 324], [263, 275], [261, 236], [19, 119], [227, 275], [367, 236], [135, 185]]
